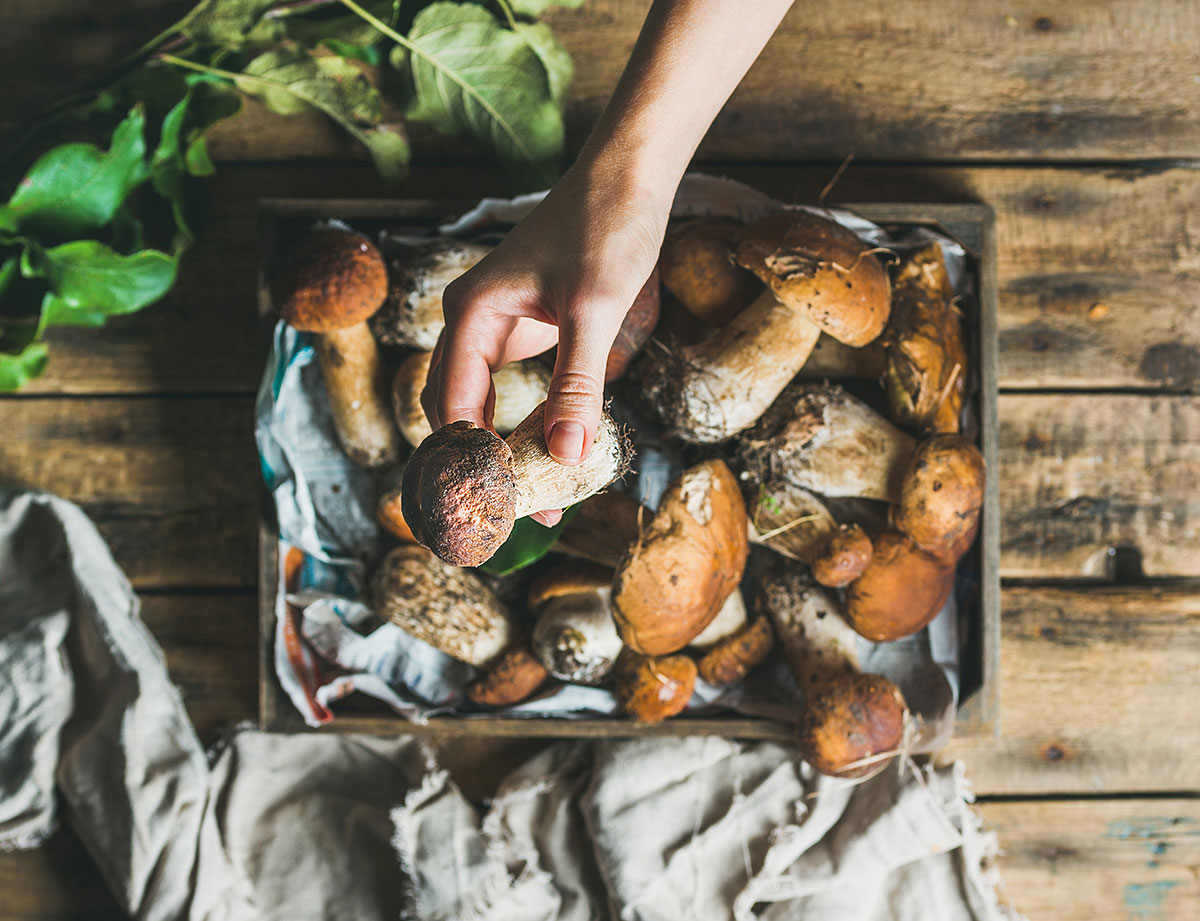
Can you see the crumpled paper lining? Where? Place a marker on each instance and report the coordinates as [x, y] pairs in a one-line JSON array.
[[328, 644]]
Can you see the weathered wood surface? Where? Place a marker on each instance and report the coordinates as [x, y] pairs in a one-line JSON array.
[[905, 80], [1098, 274], [1089, 860]]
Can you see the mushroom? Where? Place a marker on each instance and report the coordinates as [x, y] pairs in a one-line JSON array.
[[821, 438], [733, 657], [729, 620], [390, 515], [520, 386], [652, 689], [575, 638], [942, 494], [412, 315], [820, 276], [464, 486], [446, 607], [844, 557], [926, 373], [331, 284], [698, 269], [788, 519], [636, 329], [514, 676], [853, 723], [687, 560], [900, 591], [603, 528]]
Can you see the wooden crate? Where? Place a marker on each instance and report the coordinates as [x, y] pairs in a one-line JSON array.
[[973, 225]]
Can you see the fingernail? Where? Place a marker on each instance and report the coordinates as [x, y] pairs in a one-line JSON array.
[[566, 442]]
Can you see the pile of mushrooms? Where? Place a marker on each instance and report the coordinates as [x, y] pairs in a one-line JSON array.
[[855, 499]]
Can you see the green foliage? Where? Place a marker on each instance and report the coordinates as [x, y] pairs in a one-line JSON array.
[[528, 543], [535, 8], [19, 367], [224, 23]]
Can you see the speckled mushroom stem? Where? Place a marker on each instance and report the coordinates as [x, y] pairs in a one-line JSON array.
[[354, 380]]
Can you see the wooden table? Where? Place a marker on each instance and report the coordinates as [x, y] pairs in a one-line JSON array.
[[1079, 123]]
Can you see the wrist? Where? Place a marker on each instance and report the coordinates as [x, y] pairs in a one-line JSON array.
[[631, 170]]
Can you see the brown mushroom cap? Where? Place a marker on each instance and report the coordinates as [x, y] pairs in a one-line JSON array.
[[460, 494], [697, 268], [817, 266], [901, 590], [652, 689], [571, 578], [390, 515], [844, 557], [733, 658], [515, 676], [333, 280], [942, 492], [636, 328], [853, 718], [673, 581]]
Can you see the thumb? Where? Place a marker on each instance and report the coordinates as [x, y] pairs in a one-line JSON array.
[[576, 395]]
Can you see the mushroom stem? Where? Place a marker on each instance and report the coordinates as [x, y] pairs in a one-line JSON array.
[[350, 365]]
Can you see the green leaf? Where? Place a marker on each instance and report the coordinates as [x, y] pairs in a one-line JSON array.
[[554, 58], [90, 282], [291, 80], [473, 76], [369, 54], [535, 8], [74, 189], [528, 543], [17, 368], [313, 30], [222, 22]]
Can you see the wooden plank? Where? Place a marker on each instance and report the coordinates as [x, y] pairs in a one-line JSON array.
[[1099, 860], [1097, 694], [1081, 475], [56, 882], [171, 483], [905, 80]]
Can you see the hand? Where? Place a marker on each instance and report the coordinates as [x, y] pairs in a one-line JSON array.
[[566, 275]]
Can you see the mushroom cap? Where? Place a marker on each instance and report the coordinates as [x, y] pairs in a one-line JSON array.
[[852, 718], [736, 655], [636, 328], [900, 591], [575, 577], [515, 676], [817, 266], [673, 581], [942, 493], [459, 493], [652, 689], [389, 513], [844, 557], [575, 637], [698, 269], [333, 280]]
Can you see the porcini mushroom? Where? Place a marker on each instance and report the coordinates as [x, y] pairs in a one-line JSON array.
[[843, 558], [942, 493], [687, 560], [901, 590], [603, 528], [788, 519], [733, 657], [729, 620], [853, 723], [652, 689], [331, 284], [575, 638], [446, 607], [698, 269], [464, 487], [412, 315], [636, 329], [820, 276], [821, 438], [520, 386], [512, 678], [390, 515]]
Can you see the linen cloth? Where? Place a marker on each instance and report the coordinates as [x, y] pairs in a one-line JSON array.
[[316, 826]]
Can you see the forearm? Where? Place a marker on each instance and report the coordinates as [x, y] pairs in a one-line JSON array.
[[690, 56]]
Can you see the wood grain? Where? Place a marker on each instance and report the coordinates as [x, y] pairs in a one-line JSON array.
[[1096, 860], [1097, 694]]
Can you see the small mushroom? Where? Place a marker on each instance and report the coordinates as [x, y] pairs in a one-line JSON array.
[[821, 438], [691, 555], [852, 722], [652, 689], [330, 285], [446, 607], [900, 591], [515, 676], [636, 329], [698, 269], [942, 493], [843, 558], [819, 276], [412, 315], [520, 386], [464, 486], [575, 638], [735, 656]]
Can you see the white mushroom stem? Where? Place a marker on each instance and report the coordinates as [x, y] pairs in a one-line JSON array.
[[350, 365], [729, 620], [816, 639], [413, 315], [575, 637]]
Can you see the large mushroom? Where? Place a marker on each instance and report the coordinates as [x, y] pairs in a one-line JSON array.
[[853, 723], [465, 487], [446, 607], [575, 638], [901, 590], [687, 560], [819, 276], [698, 270], [331, 284], [942, 495]]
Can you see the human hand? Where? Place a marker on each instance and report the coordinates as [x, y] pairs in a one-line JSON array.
[[566, 275]]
